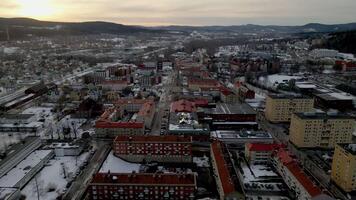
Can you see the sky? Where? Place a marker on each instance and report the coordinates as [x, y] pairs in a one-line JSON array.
[[185, 12]]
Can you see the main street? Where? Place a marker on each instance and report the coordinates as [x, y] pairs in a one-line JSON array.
[[165, 100], [78, 187]]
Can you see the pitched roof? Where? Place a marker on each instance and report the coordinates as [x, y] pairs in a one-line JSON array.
[[262, 147], [183, 106], [298, 173], [303, 179], [224, 174]]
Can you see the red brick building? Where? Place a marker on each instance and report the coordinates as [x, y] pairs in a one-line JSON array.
[[245, 93], [222, 168], [257, 153], [293, 175], [167, 148], [109, 125], [134, 186]]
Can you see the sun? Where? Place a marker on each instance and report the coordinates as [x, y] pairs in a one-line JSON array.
[[36, 8]]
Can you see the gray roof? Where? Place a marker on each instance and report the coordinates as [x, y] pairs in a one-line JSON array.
[[223, 108]]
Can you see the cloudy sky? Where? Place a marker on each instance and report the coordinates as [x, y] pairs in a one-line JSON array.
[[185, 12]]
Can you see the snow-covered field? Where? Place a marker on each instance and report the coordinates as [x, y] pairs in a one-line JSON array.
[[55, 175], [117, 165]]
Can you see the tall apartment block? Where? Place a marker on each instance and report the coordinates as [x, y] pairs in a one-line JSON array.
[[280, 107]]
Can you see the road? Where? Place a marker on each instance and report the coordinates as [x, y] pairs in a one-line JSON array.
[[278, 132], [165, 100], [79, 186]]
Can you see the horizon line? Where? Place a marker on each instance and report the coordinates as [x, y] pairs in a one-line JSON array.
[[167, 24]]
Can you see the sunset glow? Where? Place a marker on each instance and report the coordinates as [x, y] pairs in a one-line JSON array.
[[185, 12], [36, 8]]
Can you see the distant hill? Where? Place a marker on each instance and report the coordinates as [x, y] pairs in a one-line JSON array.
[[23, 27], [251, 28], [343, 41]]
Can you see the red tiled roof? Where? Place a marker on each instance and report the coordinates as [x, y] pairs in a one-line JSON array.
[[153, 138], [105, 116], [298, 173], [224, 175], [225, 90], [204, 82], [145, 179], [284, 156], [146, 109], [262, 147], [105, 124], [201, 102], [303, 179], [130, 101], [183, 106]]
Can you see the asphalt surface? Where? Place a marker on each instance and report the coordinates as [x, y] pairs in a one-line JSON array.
[[79, 186], [165, 100]]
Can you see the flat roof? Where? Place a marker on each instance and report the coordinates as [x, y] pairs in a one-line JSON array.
[[223, 108], [288, 96], [25, 166], [183, 121], [227, 134], [6, 192], [323, 116], [18, 148], [335, 96], [350, 148]]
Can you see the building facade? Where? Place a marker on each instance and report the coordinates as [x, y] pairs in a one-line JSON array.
[[142, 186], [222, 170], [300, 184], [167, 148], [257, 153], [343, 171], [279, 108], [310, 130]]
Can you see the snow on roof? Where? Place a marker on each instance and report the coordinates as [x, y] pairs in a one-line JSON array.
[[278, 78], [343, 96], [305, 85], [24, 167], [7, 192]]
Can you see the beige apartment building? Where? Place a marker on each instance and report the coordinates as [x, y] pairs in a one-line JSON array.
[[325, 130], [279, 107], [343, 171]]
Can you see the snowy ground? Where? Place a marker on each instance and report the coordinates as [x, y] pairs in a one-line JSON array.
[[52, 176], [117, 165], [67, 122]]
